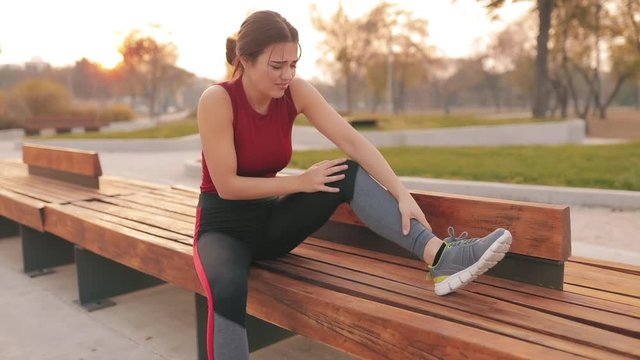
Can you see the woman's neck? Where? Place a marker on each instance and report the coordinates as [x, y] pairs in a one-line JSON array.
[[258, 101]]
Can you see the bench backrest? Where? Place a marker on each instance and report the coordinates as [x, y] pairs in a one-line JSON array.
[[541, 232], [76, 166]]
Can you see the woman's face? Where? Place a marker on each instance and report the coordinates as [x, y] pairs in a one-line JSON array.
[[272, 71]]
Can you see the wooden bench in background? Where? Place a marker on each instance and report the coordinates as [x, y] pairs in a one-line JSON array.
[[62, 123], [348, 288], [362, 122]]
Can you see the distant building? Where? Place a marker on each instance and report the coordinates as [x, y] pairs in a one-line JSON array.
[[36, 65]]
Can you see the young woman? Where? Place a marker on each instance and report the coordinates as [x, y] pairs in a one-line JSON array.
[[246, 213]]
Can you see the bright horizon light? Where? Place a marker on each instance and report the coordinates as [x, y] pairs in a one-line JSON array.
[[64, 31]]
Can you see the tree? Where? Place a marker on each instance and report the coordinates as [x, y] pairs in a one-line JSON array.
[[344, 41], [89, 80], [146, 64], [386, 47], [541, 80], [586, 31]]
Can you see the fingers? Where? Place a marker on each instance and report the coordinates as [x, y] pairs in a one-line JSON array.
[[330, 179], [405, 223], [329, 189]]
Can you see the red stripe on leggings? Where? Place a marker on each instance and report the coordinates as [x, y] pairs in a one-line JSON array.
[[205, 285]]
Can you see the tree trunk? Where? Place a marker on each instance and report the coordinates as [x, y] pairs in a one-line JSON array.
[[540, 100]]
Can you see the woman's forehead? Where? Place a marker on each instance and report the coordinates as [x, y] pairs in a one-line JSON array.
[[287, 51]]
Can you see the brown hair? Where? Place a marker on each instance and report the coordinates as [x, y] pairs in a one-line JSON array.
[[258, 31]]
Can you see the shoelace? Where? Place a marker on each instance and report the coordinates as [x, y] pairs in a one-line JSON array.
[[455, 240]]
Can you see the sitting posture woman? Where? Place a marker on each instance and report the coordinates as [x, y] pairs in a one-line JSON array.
[[246, 213]]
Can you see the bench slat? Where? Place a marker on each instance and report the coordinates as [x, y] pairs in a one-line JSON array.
[[602, 279], [143, 199], [22, 209], [123, 203], [609, 265], [90, 210], [66, 160], [143, 221], [563, 296], [129, 184], [48, 190]]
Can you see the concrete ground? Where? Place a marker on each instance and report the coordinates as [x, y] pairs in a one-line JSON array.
[[38, 319]]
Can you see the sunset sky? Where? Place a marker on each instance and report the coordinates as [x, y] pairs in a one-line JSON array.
[[63, 31]]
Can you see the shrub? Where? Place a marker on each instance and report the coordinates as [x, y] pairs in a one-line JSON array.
[[118, 112], [42, 97]]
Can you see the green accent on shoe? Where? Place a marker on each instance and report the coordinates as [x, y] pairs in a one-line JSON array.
[[464, 259]]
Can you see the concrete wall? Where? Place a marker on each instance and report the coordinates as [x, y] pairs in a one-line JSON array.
[[548, 133]]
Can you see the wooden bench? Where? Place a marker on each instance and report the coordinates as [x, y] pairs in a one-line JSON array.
[[349, 289], [362, 122], [62, 124]]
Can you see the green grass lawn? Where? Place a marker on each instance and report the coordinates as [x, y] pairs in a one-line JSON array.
[[165, 130], [603, 166], [387, 122]]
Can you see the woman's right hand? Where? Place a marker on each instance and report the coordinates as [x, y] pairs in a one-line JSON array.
[[318, 175]]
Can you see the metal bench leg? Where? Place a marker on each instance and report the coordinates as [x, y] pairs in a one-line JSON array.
[[41, 251], [259, 332], [100, 278], [8, 227]]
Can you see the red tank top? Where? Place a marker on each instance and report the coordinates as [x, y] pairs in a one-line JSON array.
[[262, 141]]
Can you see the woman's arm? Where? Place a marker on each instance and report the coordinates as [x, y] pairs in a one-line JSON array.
[[310, 102], [215, 125]]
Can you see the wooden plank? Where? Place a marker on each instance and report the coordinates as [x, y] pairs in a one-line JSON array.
[[609, 265], [602, 279], [74, 161], [130, 184], [90, 210], [122, 202], [177, 197], [167, 260], [12, 167], [602, 294], [166, 198], [186, 189], [158, 224], [469, 305], [538, 230], [51, 190], [142, 199], [563, 296], [22, 209], [19, 187], [619, 323], [361, 327]]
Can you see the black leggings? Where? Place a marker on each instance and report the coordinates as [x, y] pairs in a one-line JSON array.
[[230, 234]]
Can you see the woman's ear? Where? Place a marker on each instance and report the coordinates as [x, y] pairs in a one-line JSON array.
[[244, 60]]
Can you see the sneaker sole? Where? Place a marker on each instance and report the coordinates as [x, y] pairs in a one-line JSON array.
[[494, 253]]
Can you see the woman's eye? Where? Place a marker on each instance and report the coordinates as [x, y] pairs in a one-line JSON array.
[[276, 67]]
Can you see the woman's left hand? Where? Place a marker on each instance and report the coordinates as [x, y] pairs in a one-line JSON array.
[[409, 209]]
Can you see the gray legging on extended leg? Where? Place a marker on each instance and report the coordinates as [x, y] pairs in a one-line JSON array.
[[230, 234]]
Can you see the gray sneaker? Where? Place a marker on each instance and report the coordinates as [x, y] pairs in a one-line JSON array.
[[463, 259]]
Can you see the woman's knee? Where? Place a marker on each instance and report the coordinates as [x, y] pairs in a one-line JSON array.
[[348, 183]]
